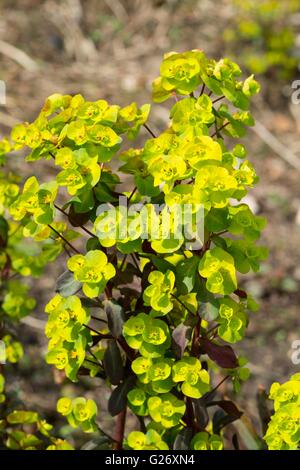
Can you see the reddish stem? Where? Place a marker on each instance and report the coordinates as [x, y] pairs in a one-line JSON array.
[[120, 429]]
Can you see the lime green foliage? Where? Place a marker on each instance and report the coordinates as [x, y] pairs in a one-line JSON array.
[[2, 383], [14, 426], [9, 190], [22, 258], [166, 410], [79, 412], [145, 306], [265, 34], [155, 376], [204, 441], [284, 429], [150, 441], [232, 320], [158, 294], [195, 380], [13, 349], [149, 335], [16, 303], [93, 270], [217, 266], [68, 337]]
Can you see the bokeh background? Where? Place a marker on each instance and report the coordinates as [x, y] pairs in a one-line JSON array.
[[112, 49]]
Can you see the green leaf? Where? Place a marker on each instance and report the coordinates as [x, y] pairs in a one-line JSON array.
[[180, 338], [115, 317], [66, 285], [3, 231], [217, 220], [118, 399], [183, 439], [185, 275], [113, 363], [22, 417], [209, 311]]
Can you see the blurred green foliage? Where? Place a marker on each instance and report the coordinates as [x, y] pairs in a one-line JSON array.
[[265, 33]]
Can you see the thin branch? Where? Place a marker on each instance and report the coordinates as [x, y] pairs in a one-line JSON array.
[[217, 386], [136, 263], [132, 193], [149, 130], [67, 215], [64, 239], [123, 262], [95, 357], [180, 301], [18, 56], [105, 433], [98, 319], [220, 128], [282, 150], [218, 99], [91, 329], [202, 89]]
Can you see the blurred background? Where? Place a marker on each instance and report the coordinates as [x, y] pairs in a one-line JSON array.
[[112, 49]]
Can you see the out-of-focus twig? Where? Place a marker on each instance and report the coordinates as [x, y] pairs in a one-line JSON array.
[[33, 322], [7, 120], [18, 56], [284, 152], [117, 9]]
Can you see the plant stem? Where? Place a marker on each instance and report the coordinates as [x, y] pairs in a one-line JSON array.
[[220, 128], [202, 89], [91, 329], [195, 342], [98, 319], [81, 226], [123, 262], [120, 429], [149, 130], [127, 349], [64, 239], [132, 193], [180, 301], [218, 99], [105, 433], [217, 386], [135, 263]]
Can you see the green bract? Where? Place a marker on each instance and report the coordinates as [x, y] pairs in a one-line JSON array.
[[217, 266], [158, 294], [204, 441], [150, 441], [284, 428], [195, 380], [149, 335], [79, 412], [232, 320], [93, 270], [166, 409], [266, 38]]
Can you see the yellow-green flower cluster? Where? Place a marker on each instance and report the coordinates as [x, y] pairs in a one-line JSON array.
[[284, 428], [79, 412], [149, 335], [152, 440], [68, 337], [93, 270]]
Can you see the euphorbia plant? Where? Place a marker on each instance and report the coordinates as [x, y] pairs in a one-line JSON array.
[[153, 312], [19, 428]]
